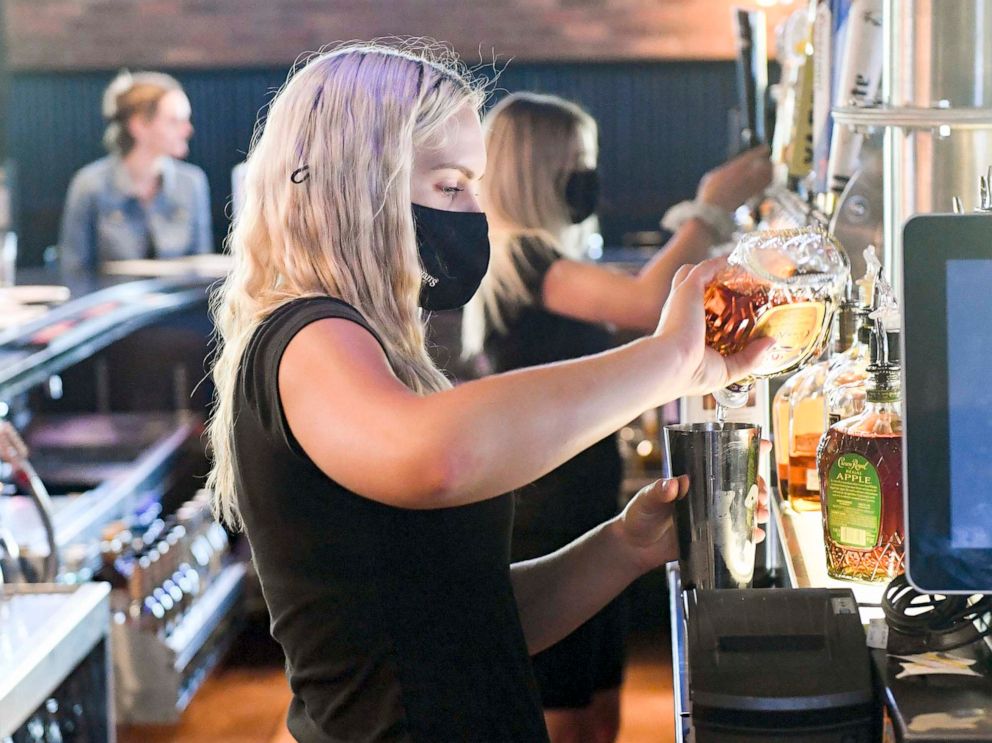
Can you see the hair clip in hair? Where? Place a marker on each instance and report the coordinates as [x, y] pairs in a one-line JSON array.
[[300, 174]]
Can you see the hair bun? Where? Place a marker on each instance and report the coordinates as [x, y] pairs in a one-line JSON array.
[[111, 97]]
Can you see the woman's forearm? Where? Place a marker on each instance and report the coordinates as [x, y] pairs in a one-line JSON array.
[[601, 294], [691, 244], [367, 431], [557, 593], [505, 431]]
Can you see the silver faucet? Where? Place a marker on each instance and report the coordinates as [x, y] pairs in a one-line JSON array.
[[14, 452]]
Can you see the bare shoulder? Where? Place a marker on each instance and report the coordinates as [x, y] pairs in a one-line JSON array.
[[352, 416], [334, 349]]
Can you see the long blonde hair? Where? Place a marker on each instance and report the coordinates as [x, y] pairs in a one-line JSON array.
[[532, 142], [327, 212]]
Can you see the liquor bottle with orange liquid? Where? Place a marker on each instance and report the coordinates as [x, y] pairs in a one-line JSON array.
[[807, 416], [780, 434], [781, 284], [860, 468]]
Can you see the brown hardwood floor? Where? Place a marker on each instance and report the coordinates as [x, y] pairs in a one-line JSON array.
[[647, 710], [247, 703]]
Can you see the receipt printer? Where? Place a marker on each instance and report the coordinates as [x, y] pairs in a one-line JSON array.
[[775, 665]]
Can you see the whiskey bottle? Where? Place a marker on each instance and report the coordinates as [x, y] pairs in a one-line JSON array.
[[808, 414], [860, 467], [780, 434], [780, 284]]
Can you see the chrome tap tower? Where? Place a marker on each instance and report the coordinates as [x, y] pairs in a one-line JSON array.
[[936, 111]]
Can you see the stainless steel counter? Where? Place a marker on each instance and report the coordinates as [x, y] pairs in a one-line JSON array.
[[156, 678], [45, 632], [105, 455]]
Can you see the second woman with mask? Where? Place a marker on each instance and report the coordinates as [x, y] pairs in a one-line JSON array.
[[541, 303]]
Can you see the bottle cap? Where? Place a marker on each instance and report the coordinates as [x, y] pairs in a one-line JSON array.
[[883, 346]]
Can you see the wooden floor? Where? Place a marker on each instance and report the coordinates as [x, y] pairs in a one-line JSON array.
[[247, 704]]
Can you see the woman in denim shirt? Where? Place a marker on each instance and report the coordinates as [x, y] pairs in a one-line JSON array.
[[141, 201]]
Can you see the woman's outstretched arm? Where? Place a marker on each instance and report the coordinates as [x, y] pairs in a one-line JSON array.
[[368, 432], [596, 293]]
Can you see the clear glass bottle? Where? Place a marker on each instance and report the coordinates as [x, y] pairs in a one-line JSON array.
[[780, 434], [860, 466], [844, 386], [808, 414], [807, 422], [780, 284]]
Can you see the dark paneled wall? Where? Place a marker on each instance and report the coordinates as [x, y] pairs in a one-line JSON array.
[[662, 125]]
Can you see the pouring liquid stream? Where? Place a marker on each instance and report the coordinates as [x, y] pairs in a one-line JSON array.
[[721, 414]]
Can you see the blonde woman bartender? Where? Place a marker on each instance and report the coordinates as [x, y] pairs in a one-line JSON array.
[[541, 303], [371, 491]]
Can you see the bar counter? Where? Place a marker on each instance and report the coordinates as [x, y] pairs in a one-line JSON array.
[[47, 632], [798, 560], [100, 311]]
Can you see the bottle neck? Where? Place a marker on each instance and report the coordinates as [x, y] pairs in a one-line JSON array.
[[842, 329], [851, 330], [884, 386], [841, 345], [877, 404]]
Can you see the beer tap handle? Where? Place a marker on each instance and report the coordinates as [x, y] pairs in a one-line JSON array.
[[14, 452]]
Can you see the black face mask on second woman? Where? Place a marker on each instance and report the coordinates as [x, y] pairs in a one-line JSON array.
[[454, 255], [582, 194]]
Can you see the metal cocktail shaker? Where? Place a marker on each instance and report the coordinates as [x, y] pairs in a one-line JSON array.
[[715, 520]]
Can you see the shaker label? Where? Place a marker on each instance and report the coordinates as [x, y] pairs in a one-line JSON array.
[[853, 502], [795, 328]]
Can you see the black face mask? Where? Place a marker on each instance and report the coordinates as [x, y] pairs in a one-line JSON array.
[[454, 255], [582, 194]]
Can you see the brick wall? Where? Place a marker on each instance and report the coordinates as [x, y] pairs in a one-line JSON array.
[[105, 34]]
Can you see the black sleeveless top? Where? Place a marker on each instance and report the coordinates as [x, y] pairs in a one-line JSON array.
[[397, 625], [584, 491]]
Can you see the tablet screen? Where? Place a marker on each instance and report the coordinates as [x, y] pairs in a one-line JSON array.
[[969, 284], [947, 375]]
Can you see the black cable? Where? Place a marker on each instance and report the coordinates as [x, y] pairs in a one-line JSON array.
[[935, 621]]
